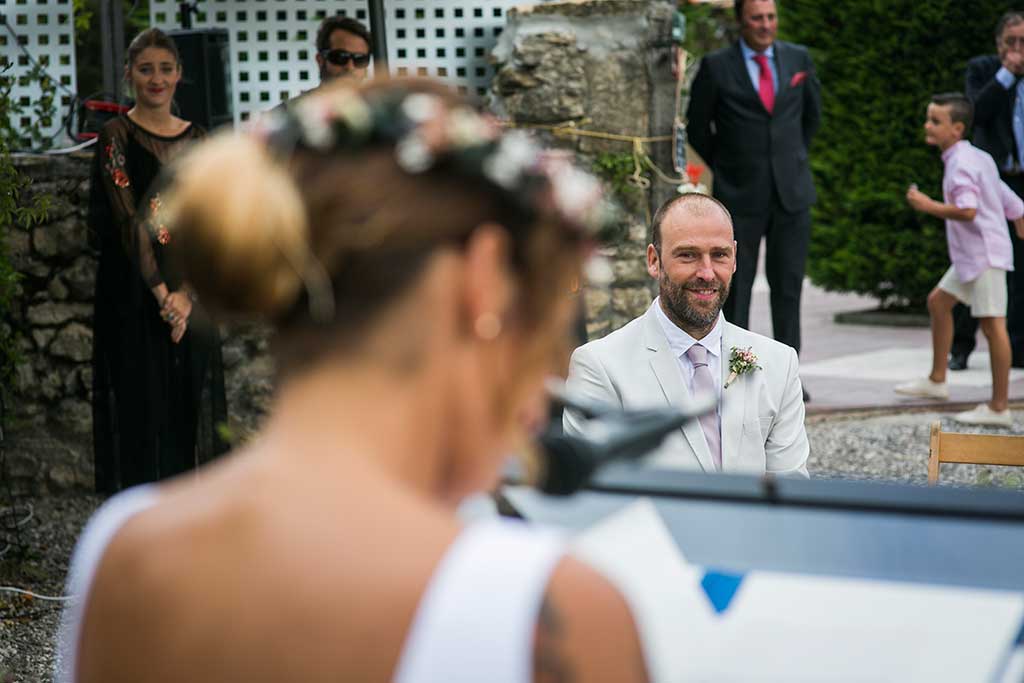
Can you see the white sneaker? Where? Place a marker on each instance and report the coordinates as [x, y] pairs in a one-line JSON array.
[[983, 415], [923, 388]]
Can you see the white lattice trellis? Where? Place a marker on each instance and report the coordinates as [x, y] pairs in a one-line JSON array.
[[273, 43], [448, 39], [45, 30]]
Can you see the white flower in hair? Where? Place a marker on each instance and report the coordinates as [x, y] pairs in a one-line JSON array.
[[597, 270], [314, 116], [353, 110], [466, 128], [575, 191], [420, 107], [515, 154], [413, 154]]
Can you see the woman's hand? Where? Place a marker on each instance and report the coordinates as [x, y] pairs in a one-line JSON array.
[[178, 331], [177, 308]]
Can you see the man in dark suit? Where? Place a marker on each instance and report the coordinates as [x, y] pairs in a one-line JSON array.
[[754, 108], [995, 85]]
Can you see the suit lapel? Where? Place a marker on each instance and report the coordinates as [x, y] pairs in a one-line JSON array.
[[666, 369], [785, 67], [784, 62], [742, 76], [734, 402]]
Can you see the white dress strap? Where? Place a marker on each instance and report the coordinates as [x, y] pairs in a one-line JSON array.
[[477, 619], [85, 561]]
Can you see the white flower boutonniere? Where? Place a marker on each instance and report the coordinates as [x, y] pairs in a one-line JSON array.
[[741, 361]]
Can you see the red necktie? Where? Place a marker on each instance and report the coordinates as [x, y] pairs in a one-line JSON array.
[[765, 86]]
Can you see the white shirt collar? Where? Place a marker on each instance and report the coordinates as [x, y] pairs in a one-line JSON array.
[[749, 52], [680, 341]]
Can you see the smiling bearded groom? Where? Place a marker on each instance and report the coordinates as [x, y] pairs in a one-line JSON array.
[[683, 347]]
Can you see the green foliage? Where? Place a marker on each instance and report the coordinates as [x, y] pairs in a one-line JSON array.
[[15, 213], [616, 170], [708, 27], [15, 209], [83, 11], [88, 40], [23, 125], [879, 63]]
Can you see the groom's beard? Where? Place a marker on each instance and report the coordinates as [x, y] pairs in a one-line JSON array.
[[688, 313]]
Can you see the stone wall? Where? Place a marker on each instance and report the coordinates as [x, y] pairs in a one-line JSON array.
[[48, 439], [601, 65]]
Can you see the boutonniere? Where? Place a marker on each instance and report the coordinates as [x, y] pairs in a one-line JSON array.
[[741, 361], [798, 78]]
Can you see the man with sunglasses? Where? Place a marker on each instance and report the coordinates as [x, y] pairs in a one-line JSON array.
[[995, 84], [343, 49]]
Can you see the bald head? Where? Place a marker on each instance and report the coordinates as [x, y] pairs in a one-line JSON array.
[[691, 204], [692, 255]]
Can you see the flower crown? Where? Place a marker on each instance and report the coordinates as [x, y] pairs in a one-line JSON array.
[[426, 132]]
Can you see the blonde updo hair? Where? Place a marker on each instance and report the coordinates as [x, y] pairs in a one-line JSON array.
[[240, 227], [252, 230]]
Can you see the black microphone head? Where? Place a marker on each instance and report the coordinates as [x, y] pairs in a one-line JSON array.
[[568, 464]]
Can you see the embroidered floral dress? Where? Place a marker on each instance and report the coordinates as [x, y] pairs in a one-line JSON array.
[[156, 405]]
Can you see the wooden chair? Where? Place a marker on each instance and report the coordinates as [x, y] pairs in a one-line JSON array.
[[974, 449]]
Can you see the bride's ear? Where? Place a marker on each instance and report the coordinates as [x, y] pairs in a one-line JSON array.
[[487, 280]]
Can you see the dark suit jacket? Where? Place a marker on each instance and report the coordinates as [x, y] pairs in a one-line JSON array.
[[993, 108], [747, 148]]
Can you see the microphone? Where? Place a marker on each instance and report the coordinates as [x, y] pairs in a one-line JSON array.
[[570, 461]]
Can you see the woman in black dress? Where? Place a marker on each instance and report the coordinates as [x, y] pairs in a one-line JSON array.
[[158, 380]]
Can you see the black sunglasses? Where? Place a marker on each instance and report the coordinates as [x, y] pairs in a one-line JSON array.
[[342, 57]]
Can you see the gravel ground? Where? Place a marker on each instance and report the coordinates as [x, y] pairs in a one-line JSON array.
[[879, 447], [894, 447], [28, 626]]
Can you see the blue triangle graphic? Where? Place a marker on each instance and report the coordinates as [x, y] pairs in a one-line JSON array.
[[720, 587]]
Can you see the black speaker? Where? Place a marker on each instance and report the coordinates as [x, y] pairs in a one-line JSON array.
[[204, 92]]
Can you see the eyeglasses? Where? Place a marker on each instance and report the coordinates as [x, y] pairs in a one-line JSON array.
[[1013, 41], [342, 57]]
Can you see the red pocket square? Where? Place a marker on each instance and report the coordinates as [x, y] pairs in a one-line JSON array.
[[797, 79]]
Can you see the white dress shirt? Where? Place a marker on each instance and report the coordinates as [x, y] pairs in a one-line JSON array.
[[680, 342], [754, 69]]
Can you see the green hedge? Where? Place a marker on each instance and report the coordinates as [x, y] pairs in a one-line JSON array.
[[879, 61]]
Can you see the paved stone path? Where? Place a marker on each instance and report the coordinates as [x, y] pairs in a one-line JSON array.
[[854, 367]]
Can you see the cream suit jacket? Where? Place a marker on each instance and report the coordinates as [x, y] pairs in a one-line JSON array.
[[762, 412]]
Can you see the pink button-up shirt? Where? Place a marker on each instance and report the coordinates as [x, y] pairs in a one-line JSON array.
[[971, 181]]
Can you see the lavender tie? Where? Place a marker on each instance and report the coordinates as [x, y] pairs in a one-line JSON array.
[[703, 385]]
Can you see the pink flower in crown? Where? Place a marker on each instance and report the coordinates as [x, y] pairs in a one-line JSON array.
[[515, 154]]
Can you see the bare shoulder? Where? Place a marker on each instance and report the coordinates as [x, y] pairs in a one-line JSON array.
[[585, 630], [120, 603]]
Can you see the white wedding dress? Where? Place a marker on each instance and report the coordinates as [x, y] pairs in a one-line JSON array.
[[475, 622]]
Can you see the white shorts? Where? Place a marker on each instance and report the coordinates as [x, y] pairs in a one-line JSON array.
[[986, 294]]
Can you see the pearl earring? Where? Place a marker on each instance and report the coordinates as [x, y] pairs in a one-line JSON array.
[[487, 326]]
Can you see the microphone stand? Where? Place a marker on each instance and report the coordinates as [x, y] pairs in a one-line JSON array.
[[569, 462]]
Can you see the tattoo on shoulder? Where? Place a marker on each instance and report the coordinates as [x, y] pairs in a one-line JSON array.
[[550, 664]]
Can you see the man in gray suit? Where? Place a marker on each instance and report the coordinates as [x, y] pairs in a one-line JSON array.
[[683, 347], [754, 107]]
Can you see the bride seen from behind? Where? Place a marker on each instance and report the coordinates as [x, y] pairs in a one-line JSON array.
[[414, 263]]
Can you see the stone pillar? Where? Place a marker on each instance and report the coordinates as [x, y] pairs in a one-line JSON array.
[[602, 65]]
